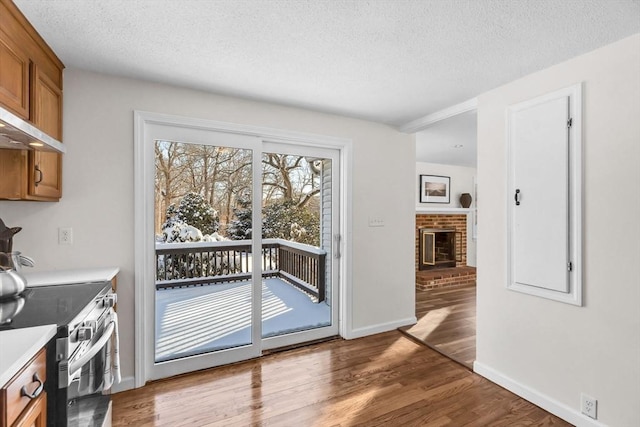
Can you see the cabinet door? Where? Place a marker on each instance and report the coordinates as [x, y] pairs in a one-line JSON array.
[[35, 415], [45, 169], [45, 180], [14, 78], [13, 167], [46, 107]]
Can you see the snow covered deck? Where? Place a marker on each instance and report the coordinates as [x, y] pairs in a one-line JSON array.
[[199, 319]]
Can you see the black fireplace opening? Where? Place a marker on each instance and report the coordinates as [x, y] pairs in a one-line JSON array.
[[438, 248]]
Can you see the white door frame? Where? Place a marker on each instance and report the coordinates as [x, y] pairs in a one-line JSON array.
[[574, 133], [144, 169]]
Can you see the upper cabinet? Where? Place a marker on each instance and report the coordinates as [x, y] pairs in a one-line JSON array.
[[14, 77], [31, 88]]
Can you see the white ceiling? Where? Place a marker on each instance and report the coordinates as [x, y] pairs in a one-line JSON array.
[[449, 142], [390, 61]]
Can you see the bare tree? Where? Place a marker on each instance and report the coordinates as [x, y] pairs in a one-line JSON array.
[[170, 171], [223, 177], [289, 177]]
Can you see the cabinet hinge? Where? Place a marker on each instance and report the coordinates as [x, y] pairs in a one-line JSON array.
[[569, 266], [570, 122]]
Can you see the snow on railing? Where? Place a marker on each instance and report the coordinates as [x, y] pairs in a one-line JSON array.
[[204, 263]]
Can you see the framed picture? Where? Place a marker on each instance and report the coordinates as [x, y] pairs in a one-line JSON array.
[[435, 189]]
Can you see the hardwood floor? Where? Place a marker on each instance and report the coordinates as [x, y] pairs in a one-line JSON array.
[[380, 380], [447, 322]]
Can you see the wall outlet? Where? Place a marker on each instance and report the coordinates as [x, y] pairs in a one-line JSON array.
[[65, 236], [589, 406]]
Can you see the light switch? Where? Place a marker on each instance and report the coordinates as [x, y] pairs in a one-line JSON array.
[[376, 221]]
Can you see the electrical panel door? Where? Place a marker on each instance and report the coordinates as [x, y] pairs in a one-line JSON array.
[[539, 144]]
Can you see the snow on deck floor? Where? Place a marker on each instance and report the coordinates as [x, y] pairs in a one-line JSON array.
[[199, 319]]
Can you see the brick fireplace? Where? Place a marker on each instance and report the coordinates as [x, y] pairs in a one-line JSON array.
[[456, 272]]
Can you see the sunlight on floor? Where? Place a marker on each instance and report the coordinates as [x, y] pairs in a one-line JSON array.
[[430, 321]]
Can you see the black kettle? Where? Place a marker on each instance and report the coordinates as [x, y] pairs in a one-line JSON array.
[[6, 237]]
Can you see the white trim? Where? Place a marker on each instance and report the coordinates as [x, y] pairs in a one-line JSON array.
[[345, 317], [380, 327], [127, 383], [141, 275], [430, 119], [265, 133], [574, 296], [144, 247], [421, 210], [542, 400], [293, 338]]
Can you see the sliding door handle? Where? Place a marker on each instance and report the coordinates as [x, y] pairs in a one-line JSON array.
[[517, 197], [336, 252]]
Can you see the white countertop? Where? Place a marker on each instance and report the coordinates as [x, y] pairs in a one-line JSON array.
[[18, 346], [65, 277]]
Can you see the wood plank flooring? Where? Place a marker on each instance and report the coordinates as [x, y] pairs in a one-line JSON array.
[[380, 380], [447, 322]]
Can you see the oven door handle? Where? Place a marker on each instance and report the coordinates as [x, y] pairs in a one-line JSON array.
[[106, 336]]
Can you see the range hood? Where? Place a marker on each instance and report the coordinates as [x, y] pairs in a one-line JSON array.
[[18, 134]]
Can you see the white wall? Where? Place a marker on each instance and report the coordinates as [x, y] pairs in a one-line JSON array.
[[98, 192], [461, 182], [553, 350]]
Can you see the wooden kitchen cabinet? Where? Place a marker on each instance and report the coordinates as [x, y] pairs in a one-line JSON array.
[[35, 415], [18, 410], [31, 88], [14, 77]]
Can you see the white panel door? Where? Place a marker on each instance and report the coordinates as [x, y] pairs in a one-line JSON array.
[[540, 195]]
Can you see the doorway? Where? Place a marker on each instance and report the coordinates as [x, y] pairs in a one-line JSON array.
[[446, 236], [218, 289]]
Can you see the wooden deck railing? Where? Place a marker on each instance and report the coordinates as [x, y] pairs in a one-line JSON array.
[[203, 263]]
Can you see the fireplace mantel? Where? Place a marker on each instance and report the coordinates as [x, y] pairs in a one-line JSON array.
[[443, 210]]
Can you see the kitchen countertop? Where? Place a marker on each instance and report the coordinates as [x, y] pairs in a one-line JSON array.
[[65, 277], [19, 346]]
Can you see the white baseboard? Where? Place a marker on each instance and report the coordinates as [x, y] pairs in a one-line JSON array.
[[547, 403], [379, 328], [127, 383]]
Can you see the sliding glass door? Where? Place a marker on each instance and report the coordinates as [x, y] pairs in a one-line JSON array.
[[205, 299], [300, 194], [241, 249]]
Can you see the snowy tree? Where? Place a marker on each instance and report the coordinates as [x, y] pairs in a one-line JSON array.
[[287, 220], [193, 220], [280, 220], [197, 212], [240, 226]]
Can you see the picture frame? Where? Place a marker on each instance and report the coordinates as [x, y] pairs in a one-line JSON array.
[[435, 189]]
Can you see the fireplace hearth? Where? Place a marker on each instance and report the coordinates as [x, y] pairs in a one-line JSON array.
[[438, 248]]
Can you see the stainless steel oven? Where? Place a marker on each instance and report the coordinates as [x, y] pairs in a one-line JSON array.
[[82, 360], [88, 365]]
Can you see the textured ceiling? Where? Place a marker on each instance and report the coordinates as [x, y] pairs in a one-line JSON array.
[[390, 61]]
